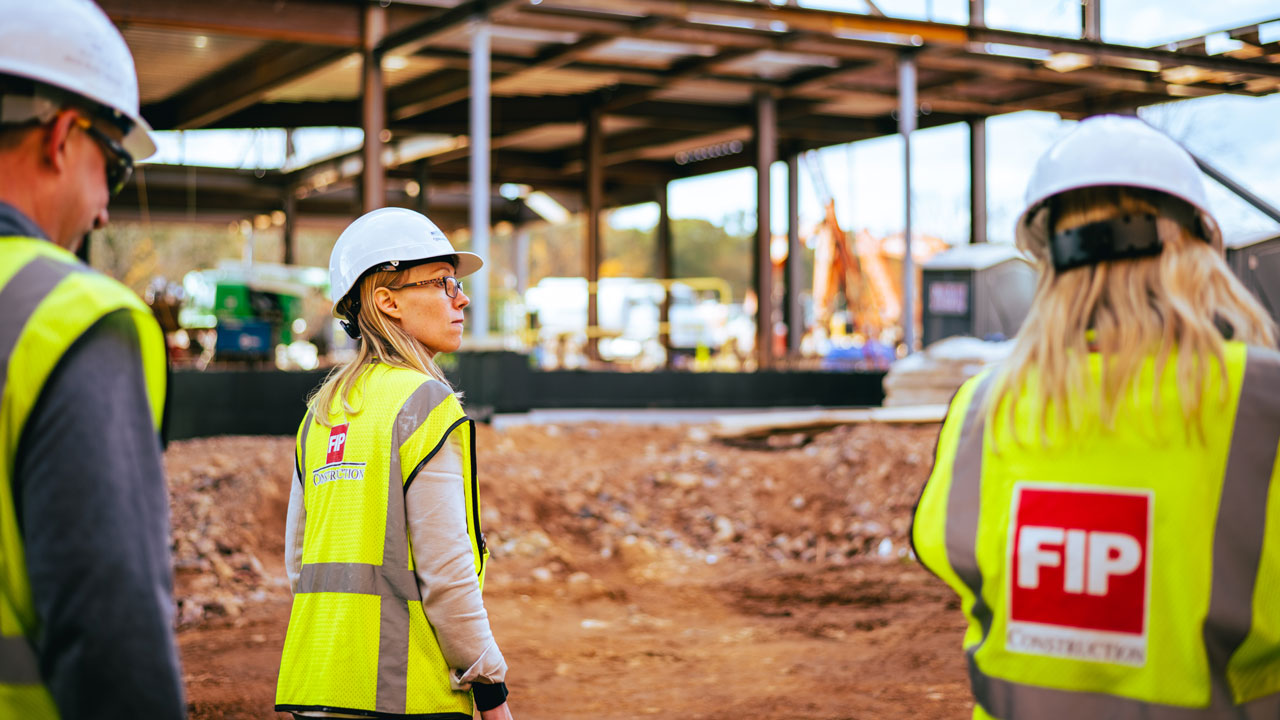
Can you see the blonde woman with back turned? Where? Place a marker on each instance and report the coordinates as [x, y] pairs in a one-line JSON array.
[[1101, 502], [382, 543]]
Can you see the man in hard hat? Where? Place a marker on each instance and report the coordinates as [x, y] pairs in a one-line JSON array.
[[86, 600]]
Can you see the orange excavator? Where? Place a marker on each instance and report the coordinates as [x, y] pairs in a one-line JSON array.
[[868, 270]]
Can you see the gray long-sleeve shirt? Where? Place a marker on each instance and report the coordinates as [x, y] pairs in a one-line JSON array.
[[92, 505]]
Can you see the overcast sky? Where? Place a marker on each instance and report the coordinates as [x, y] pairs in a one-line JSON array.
[[1239, 135]]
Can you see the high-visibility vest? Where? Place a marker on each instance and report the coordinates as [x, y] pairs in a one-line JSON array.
[[1126, 573], [358, 640], [48, 300]]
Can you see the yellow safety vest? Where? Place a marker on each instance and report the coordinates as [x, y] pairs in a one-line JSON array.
[[48, 299], [358, 640], [1121, 574]]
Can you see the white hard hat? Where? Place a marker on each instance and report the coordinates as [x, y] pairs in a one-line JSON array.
[[72, 45], [388, 235], [1113, 150]]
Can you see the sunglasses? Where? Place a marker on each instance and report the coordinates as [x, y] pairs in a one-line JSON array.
[[118, 161], [452, 285]]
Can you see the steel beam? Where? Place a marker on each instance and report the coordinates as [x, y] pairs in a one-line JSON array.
[[766, 141], [410, 38], [240, 85], [293, 21]]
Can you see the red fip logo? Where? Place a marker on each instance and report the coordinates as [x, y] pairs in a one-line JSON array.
[[337, 443], [1079, 564], [1080, 558]]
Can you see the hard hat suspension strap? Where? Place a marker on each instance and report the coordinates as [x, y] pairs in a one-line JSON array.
[[1118, 238]]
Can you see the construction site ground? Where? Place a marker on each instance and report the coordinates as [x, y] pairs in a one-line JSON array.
[[637, 571]]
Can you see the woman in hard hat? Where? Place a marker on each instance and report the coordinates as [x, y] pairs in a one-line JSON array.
[[1101, 501], [383, 544]]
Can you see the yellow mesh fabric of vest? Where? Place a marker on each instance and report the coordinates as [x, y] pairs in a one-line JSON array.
[[1148, 450], [331, 634], [70, 308]]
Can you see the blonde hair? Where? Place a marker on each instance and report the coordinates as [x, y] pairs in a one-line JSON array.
[[382, 340], [1173, 305]]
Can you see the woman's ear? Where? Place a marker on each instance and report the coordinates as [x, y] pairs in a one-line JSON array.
[[385, 300]]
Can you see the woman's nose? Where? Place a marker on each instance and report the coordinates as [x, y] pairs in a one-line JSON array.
[[462, 300]]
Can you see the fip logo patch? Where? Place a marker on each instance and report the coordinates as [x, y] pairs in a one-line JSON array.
[[1079, 572], [337, 443], [334, 467]]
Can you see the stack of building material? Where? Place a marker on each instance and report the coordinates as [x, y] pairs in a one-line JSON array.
[[932, 377]]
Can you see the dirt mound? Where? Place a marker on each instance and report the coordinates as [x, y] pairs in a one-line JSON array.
[[577, 493], [227, 504], [560, 500]]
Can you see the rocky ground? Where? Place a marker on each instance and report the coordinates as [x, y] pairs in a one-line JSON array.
[[636, 571]]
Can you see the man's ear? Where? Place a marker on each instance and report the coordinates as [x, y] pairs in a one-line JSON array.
[[53, 146], [386, 302]]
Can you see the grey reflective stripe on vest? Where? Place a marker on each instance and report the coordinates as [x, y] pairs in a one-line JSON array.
[[392, 581], [19, 298], [18, 665], [1237, 551], [963, 509]]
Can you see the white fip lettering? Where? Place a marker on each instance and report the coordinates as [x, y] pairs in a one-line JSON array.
[[1111, 554], [1073, 577], [1090, 559], [335, 442], [1032, 555]]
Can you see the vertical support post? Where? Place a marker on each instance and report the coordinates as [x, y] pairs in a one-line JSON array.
[[290, 206], [977, 13], [665, 270], [792, 309], [373, 106], [594, 139], [766, 137], [478, 284], [977, 180], [1091, 20], [422, 175], [906, 124]]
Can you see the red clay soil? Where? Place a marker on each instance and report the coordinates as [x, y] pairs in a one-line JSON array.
[[636, 572]]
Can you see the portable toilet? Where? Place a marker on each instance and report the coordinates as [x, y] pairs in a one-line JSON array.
[[983, 290], [1255, 259]]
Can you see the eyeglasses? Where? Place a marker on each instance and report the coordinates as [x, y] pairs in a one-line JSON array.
[[452, 285], [118, 161]]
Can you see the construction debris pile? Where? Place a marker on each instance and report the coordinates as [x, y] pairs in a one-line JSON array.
[[560, 501], [932, 377], [227, 504]]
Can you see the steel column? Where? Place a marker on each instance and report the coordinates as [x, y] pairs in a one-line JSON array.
[[977, 180], [1091, 19], [793, 311], [593, 137], [665, 268], [422, 175], [478, 284], [373, 110], [766, 137], [977, 13], [906, 124], [289, 204]]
